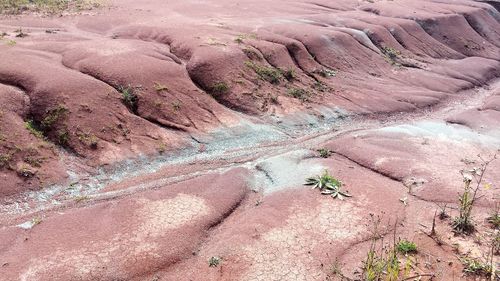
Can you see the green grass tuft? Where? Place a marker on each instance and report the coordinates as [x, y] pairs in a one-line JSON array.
[[267, 73], [129, 97], [299, 93], [219, 88], [406, 247], [33, 129]]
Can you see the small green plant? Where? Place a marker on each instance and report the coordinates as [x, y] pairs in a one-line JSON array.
[[328, 185], [274, 99], [381, 265], [463, 224], [63, 137], [52, 116], [20, 33], [289, 74], [219, 88], [81, 198], [176, 105], [392, 55], [476, 267], [252, 54], [162, 147], [494, 218], [11, 42], [267, 73], [324, 152], [160, 87], [158, 104], [5, 159], [320, 86], [442, 212], [88, 139], [299, 93], [33, 129], [336, 269], [406, 247], [239, 39], [326, 72], [33, 161], [36, 221], [129, 97], [214, 261], [25, 171]]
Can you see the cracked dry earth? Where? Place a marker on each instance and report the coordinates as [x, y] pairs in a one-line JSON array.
[[143, 139]]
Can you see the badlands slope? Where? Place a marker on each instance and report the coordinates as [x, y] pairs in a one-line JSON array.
[[140, 139]]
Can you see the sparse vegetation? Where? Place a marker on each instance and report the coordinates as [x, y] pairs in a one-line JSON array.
[[33, 129], [384, 262], [33, 161], [442, 212], [11, 42], [494, 218], [5, 160], [214, 42], [176, 105], [88, 139], [383, 265], [267, 73], [81, 198], [160, 87], [25, 171], [320, 86], [252, 54], [219, 88], [392, 55], [240, 38], [463, 224], [406, 247], [328, 185], [162, 147], [380, 264], [52, 116], [63, 137], [36, 221], [45, 6], [299, 93], [273, 98], [129, 97], [324, 152], [326, 72], [158, 104], [476, 267], [20, 33], [289, 74], [214, 261]]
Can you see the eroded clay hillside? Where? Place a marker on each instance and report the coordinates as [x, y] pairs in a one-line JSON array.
[[150, 136]]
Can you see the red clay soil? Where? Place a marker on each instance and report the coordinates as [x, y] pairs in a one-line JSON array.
[[215, 101], [185, 67], [123, 238]]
